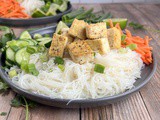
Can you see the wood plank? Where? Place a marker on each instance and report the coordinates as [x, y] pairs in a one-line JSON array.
[[5, 104], [132, 108], [98, 113], [51, 113]]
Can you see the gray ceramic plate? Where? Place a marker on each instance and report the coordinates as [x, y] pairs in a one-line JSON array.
[[35, 21], [146, 75]]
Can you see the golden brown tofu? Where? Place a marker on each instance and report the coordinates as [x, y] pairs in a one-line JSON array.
[[78, 29], [80, 52], [58, 45], [114, 38], [98, 30], [100, 45]]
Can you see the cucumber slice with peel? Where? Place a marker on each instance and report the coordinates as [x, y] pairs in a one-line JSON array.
[[22, 55], [25, 35]]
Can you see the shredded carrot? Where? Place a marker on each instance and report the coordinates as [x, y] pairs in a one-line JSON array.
[[143, 47], [119, 28], [111, 23], [12, 9]]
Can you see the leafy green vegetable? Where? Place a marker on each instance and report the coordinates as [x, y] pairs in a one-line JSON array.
[[3, 86], [41, 48], [7, 35], [136, 25], [19, 101], [58, 60], [82, 14], [99, 68], [3, 113], [132, 46], [32, 69]]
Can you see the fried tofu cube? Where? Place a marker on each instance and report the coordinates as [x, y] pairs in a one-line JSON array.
[[100, 45], [78, 29], [114, 38], [58, 45], [98, 30], [80, 52]]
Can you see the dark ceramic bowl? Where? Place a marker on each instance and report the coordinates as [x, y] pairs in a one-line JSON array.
[[146, 75], [35, 21]]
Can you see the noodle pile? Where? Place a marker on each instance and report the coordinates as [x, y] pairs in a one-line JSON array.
[[80, 81]]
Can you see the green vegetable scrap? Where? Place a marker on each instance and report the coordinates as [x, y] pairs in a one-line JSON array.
[[19, 101], [3, 86], [7, 35], [136, 25], [12, 73], [51, 8], [3, 113], [87, 16], [132, 46], [99, 68], [58, 60]]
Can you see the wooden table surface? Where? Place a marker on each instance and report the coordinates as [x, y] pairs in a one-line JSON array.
[[143, 105]]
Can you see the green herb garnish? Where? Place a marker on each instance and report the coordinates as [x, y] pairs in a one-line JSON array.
[[7, 35], [3, 113], [19, 101], [99, 68], [136, 25], [58, 60]]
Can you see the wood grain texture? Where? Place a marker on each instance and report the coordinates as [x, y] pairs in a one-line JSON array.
[[51, 113], [133, 108], [99, 113], [5, 104]]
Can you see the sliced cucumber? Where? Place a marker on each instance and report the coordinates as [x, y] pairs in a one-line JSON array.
[[22, 55], [37, 36], [10, 55], [25, 35], [46, 43], [19, 43], [8, 64], [43, 39]]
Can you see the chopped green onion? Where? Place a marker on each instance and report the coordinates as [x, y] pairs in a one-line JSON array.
[[46, 35], [32, 69], [24, 65], [122, 50], [99, 68], [94, 54], [44, 57], [61, 67], [132, 46], [41, 48], [30, 50], [58, 60], [12, 73], [37, 36]]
